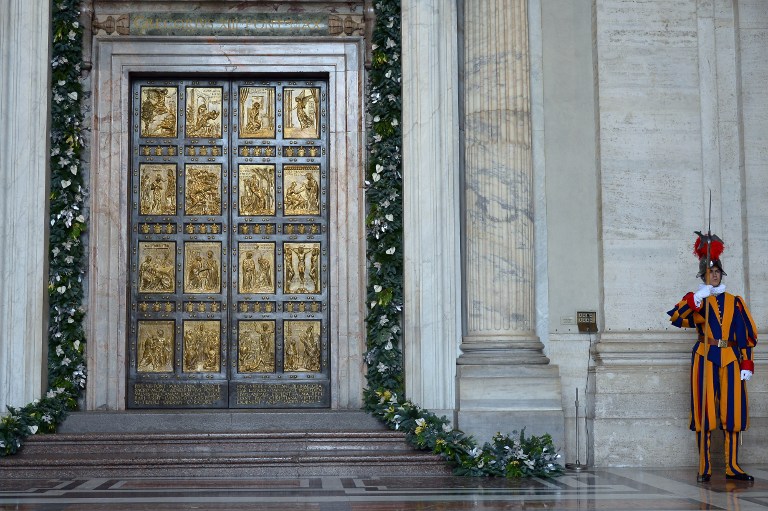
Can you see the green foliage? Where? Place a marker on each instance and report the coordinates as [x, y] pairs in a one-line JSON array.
[[66, 337]]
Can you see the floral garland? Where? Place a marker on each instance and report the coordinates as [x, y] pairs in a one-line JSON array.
[[384, 396], [66, 340], [507, 456]]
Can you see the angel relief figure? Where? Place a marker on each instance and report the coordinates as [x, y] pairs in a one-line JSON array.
[[158, 112]]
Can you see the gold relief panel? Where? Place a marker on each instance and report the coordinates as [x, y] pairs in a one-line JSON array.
[[256, 262], [202, 344], [204, 112], [202, 267], [158, 112], [257, 112], [302, 346], [256, 347], [157, 190], [155, 347], [301, 107], [157, 262], [301, 189], [257, 190], [302, 268], [202, 189]]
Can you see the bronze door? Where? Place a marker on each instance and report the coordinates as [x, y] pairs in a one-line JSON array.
[[229, 244]]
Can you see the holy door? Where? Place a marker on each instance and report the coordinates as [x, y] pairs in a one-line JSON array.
[[229, 244]]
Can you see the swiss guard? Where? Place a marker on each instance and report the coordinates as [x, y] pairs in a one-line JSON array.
[[721, 360]]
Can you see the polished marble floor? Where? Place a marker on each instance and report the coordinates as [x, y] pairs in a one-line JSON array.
[[627, 489]]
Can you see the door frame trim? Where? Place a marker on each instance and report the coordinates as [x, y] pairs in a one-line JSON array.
[[115, 60]]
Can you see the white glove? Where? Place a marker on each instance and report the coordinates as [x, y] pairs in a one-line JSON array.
[[719, 289], [704, 291], [746, 374]]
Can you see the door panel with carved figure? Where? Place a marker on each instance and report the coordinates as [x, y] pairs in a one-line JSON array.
[[229, 238]]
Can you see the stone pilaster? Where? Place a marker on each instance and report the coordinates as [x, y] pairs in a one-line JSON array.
[[24, 77], [505, 381], [432, 326]]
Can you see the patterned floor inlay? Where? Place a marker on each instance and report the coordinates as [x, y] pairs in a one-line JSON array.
[[598, 489]]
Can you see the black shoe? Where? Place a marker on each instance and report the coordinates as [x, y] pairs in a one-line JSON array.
[[703, 478], [740, 477]]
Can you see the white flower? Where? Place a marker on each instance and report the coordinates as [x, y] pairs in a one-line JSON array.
[[80, 218], [77, 345], [62, 289], [32, 429], [391, 250], [376, 177], [381, 367], [376, 119], [390, 43], [65, 183], [47, 418], [73, 95], [377, 288], [379, 168], [59, 350], [394, 122], [476, 452], [389, 217], [421, 421], [388, 346], [383, 320], [65, 361], [373, 304]]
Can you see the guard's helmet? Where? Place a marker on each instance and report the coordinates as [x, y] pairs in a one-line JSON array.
[[713, 263]]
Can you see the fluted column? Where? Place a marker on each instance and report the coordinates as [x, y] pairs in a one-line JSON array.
[[24, 68], [432, 318], [498, 265], [504, 381]]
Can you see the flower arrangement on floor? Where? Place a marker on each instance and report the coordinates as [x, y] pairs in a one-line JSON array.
[[66, 339], [506, 456]]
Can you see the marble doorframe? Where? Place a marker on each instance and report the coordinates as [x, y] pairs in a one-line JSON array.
[[115, 60]]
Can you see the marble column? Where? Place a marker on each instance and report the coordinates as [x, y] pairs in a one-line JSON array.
[[503, 376], [432, 314], [24, 77]]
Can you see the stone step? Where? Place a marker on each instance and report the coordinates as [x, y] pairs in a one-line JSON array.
[[223, 444], [220, 443]]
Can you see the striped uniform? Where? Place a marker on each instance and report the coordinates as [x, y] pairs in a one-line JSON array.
[[719, 377]]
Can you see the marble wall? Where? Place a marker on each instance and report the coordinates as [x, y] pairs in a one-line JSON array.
[[24, 98], [673, 126]]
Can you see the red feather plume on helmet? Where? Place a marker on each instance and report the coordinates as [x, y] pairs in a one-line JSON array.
[[716, 247]]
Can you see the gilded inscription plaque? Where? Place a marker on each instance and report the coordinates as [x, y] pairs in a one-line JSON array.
[[158, 112], [204, 112], [257, 112], [256, 347], [202, 189], [257, 267], [155, 346], [301, 187], [302, 346], [301, 109], [157, 261], [202, 267], [302, 268], [202, 341], [157, 192], [257, 190]]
